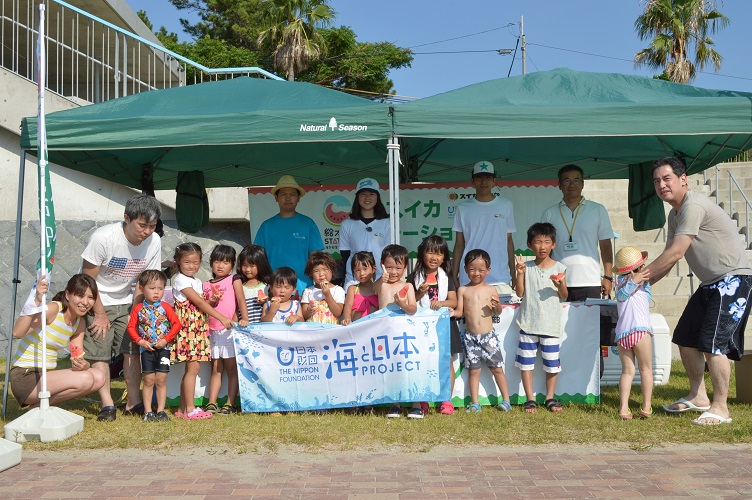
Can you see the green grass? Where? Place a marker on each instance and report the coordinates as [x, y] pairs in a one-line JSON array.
[[258, 433]]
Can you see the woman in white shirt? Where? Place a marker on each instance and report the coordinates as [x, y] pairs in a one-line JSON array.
[[368, 228]]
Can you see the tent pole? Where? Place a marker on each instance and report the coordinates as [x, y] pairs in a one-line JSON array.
[[393, 215], [16, 281], [395, 165], [393, 160]]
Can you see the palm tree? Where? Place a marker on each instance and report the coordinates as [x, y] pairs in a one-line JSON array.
[[292, 28], [676, 27]]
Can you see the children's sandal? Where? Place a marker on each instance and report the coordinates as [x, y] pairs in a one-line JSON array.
[[505, 406], [197, 414], [473, 408], [646, 414]]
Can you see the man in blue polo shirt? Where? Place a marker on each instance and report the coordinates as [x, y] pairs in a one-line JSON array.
[[289, 237]]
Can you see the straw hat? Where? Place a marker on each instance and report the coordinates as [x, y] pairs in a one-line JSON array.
[[628, 259], [287, 181]]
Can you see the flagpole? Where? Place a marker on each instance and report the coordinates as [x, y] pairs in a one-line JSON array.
[[44, 395], [45, 423]]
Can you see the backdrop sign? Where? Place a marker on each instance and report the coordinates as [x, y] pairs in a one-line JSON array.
[[383, 358], [425, 209], [579, 379]]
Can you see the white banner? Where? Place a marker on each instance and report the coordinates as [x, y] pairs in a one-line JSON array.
[[425, 209], [578, 381], [383, 358]]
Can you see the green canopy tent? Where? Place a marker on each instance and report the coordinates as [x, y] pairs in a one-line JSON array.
[[246, 132], [240, 132], [611, 125]]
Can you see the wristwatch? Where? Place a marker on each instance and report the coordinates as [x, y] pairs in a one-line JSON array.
[[609, 278]]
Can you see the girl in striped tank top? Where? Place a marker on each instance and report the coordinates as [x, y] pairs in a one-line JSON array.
[[251, 289], [65, 324]]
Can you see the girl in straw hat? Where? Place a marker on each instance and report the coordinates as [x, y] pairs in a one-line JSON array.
[[633, 330]]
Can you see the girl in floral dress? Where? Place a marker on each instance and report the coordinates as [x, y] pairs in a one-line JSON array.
[[192, 342]]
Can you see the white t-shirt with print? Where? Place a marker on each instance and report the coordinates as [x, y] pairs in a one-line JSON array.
[[120, 263]]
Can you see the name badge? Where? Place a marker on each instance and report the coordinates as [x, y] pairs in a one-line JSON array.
[[570, 246]]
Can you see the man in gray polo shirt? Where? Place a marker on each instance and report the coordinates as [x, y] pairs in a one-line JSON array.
[[711, 329]]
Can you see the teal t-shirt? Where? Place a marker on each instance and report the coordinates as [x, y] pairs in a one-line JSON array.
[[288, 241]]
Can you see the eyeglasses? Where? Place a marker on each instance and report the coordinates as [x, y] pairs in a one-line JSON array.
[[569, 182]]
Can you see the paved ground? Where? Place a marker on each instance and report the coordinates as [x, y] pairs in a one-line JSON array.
[[710, 471]]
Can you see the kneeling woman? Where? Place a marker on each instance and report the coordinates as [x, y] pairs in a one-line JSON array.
[[65, 323]]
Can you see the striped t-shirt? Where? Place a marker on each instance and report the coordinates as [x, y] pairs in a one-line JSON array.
[[252, 303], [29, 351]]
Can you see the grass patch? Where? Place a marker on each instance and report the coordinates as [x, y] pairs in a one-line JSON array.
[[336, 430]]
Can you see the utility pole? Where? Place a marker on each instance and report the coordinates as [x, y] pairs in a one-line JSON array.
[[524, 45]]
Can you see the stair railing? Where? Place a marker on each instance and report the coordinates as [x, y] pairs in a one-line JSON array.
[[92, 60], [747, 205], [733, 183]]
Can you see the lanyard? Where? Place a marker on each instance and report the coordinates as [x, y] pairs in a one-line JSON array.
[[576, 214]]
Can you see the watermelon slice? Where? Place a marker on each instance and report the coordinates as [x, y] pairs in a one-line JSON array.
[[261, 295], [495, 297], [75, 351], [431, 280], [403, 293], [557, 277]]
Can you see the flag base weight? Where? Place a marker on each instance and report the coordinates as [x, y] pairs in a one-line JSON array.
[[10, 454], [49, 424]]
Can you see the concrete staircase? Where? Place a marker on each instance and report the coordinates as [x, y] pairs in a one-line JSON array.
[[671, 293]]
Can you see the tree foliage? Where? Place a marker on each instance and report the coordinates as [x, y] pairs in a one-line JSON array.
[[679, 28], [353, 65], [207, 50], [239, 33], [292, 29]]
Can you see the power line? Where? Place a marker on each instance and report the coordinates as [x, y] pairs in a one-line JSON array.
[[580, 52], [463, 36], [630, 60], [456, 52]]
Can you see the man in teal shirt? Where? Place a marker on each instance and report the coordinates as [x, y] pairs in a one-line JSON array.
[[289, 237]]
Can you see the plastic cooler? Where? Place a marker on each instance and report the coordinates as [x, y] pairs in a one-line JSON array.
[[661, 356]]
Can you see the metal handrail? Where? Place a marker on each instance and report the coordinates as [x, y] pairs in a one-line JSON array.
[[93, 60], [747, 205], [212, 71]]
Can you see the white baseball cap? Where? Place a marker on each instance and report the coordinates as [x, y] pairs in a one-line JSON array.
[[484, 167], [367, 183]]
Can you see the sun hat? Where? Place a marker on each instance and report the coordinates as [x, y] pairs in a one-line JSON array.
[[287, 181], [484, 167], [367, 183], [628, 259]]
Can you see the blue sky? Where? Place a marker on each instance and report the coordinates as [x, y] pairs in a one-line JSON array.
[[584, 35]]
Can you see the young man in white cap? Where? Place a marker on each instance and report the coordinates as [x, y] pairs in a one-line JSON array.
[[367, 230], [289, 236], [486, 223], [711, 328]]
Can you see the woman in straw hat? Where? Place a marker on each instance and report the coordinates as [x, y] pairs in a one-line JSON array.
[[633, 330]]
